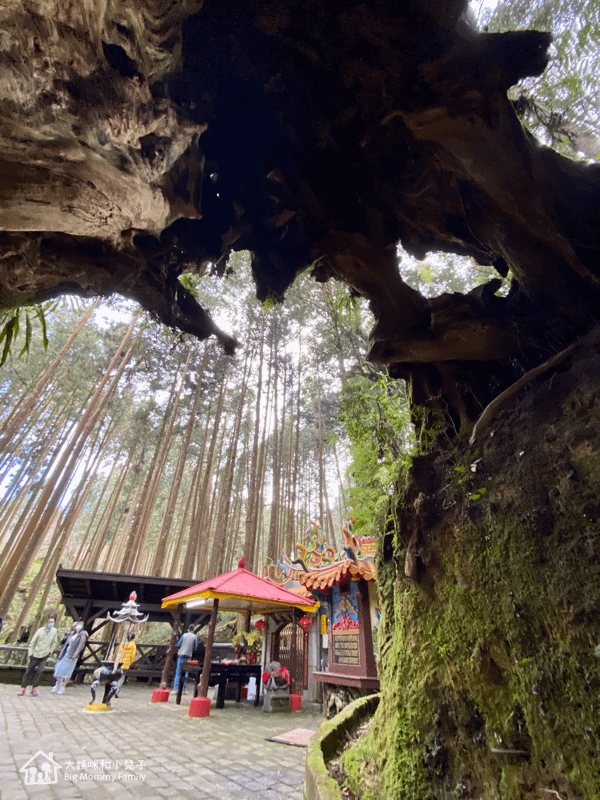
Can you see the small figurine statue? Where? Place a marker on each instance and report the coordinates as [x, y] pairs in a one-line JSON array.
[[275, 676], [276, 680]]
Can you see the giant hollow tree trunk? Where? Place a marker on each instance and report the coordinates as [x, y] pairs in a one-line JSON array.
[[141, 140], [490, 592]]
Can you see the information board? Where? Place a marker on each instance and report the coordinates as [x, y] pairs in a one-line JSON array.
[[346, 647]]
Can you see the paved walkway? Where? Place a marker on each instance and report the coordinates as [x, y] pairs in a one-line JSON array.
[[147, 750]]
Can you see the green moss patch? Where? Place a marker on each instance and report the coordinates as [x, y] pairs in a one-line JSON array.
[[490, 678]]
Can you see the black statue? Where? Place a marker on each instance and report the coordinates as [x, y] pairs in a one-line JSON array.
[[111, 678]]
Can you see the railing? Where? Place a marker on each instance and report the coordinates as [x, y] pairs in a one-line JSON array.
[[94, 653], [149, 661], [14, 659], [150, 658], [13, 655]]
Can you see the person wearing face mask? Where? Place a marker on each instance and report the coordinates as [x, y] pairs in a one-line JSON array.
[[44, 641], [69, 655]]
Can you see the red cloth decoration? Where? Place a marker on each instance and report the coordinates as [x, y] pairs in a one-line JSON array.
[[283, 672]]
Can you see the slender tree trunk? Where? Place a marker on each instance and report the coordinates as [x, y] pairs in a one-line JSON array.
[[217, 556], [284, 466], [236, 542], [19, 561], [191, 553], [114, 555], [14, 421], [148, 500], [176, 569], [93, 544], [324, 514], [292, 536], [165, 529], [261, 468], [251, 520], [43, 417], [27, 494], [199, 531], [328, 522], [257, 554], [140, 513], [272, 541], [335, 326], [57, 438], [61, 535], [233, 541], [341, 488], [209, 533]]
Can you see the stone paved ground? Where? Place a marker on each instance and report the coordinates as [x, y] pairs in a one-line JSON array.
[[148, 750]]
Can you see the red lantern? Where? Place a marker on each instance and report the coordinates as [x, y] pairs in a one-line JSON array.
[[259, 624], [305, 623]]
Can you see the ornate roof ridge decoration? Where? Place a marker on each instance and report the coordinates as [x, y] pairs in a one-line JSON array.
[[339, 572], [318, 566], [128, 612]]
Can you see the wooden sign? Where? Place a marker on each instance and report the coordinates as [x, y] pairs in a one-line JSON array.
[[346, 647]]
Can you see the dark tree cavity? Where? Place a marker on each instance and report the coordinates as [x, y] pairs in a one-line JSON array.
[[156, 138]]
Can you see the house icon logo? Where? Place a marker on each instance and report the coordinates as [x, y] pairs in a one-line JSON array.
[[40, 770]]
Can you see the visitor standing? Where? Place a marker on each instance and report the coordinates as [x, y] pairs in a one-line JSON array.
[[186, 646], [68, 658], [44, 641], [64, 643], [124, 658]]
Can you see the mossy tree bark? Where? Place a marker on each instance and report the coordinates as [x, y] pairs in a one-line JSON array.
[[490, 592]]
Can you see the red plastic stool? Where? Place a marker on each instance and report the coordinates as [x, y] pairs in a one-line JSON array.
[[295, 702], [199, 707], [160, 696]]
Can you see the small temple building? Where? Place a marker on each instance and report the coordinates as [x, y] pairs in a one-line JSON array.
[[339, 647]]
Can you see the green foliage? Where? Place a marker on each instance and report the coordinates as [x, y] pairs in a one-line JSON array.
[[189, 282], [460, 472], [269, 304], [376, 419], [558, 106], [478, 493], [346, 306], [11, 322], [443, 272], [253, 639]]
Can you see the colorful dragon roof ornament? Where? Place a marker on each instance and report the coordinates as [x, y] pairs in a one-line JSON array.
[[318, 566]]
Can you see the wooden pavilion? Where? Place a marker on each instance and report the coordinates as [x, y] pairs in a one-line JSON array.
[[89, 596]]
